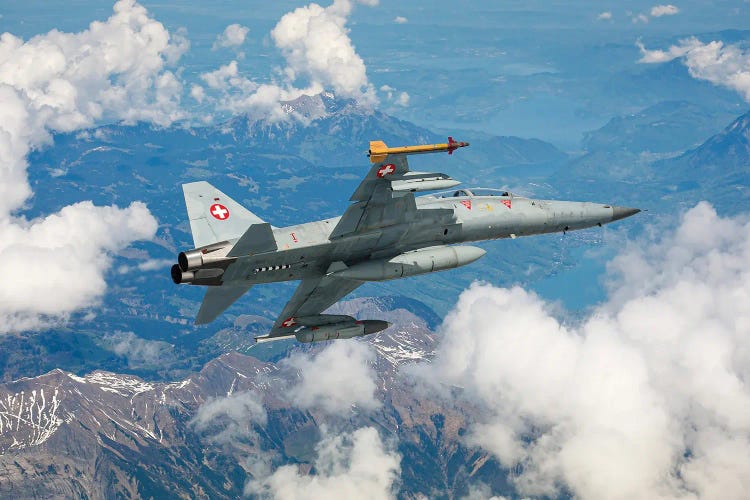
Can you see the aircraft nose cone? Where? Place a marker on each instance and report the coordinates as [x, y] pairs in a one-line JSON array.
[[375, 325], [622, 212]]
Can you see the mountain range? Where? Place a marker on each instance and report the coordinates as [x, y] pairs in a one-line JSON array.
[[107, 435], [106, 406]]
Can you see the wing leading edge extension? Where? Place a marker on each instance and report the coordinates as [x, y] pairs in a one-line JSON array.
[[385, 196]]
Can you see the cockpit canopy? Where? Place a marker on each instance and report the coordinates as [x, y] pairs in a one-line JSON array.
[[472, 192]]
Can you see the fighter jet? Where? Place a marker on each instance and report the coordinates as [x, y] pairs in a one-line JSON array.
[[386, 233]]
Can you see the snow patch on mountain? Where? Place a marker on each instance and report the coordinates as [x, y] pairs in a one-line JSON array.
[[28, 419]]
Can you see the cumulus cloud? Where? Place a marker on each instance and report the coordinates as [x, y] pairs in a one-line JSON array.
[[138, 351], [226, 419], [232, 36], [354, 384], [316, 45], [319, 54], [392, 95], [604, 16], [400, 20], [56, 265], [664, 10], [349, 465], [716, 62], [644, 398], [114, 70]]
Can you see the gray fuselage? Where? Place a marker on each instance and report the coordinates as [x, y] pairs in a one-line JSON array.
[[457, 217]]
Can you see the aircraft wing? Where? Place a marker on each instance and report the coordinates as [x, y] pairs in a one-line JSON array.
[[385, 196], [313, 296], [378, 204]]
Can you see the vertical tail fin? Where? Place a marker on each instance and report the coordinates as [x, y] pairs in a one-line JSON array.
[[215, 216]]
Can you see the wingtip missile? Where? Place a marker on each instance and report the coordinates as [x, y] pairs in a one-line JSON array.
[[454, 145], [379, 150]]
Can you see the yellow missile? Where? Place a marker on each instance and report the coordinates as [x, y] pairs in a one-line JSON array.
[[379, 150]]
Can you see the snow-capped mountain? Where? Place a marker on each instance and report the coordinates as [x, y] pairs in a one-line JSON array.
[[105, 434]]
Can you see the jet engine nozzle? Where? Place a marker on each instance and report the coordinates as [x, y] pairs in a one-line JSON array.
[[179, 276], [194, 259], [190, 260]]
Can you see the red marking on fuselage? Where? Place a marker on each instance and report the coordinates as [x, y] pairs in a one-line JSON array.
[[466, 203], [219, 211], [294, 237], [288, 322], [505, 202]]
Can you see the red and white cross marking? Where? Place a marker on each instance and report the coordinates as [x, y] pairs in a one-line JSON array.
[[505, 202], [386, 169], [288, 322], [219, 211]]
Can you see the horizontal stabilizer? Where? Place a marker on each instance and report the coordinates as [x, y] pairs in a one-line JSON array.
[[217, 300], [257, 239]]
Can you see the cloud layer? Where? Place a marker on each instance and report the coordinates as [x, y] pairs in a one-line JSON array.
[[348, 465], [353, 384], [645, 398], [664, 10], [319, 55], [316, 45], [232, 36], [226, 419], [716, 62], [114, 70]]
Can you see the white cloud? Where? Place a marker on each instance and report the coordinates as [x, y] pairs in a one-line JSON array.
[[114, 70], [398, 98], [356, 465], [138, 351], [233, 36], [639, 18], [316, 45], [720, 64], [227, 419], [400, 20], [227, 78], [660, 56], [354, 383], [198, 93], [604, 16], [644, 398], [319, 56], [56, 265], [403, 99], [664, 10]]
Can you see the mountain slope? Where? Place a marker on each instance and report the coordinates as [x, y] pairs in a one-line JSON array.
[[107, 434], [718, 170]]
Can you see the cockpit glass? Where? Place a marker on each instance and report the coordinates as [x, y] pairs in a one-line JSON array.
[[472, 192], [489, 192]]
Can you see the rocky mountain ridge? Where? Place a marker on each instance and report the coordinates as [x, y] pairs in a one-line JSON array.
[[106, 434]]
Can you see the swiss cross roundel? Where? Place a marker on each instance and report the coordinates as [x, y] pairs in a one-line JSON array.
[[386, 169], [219, 211]]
